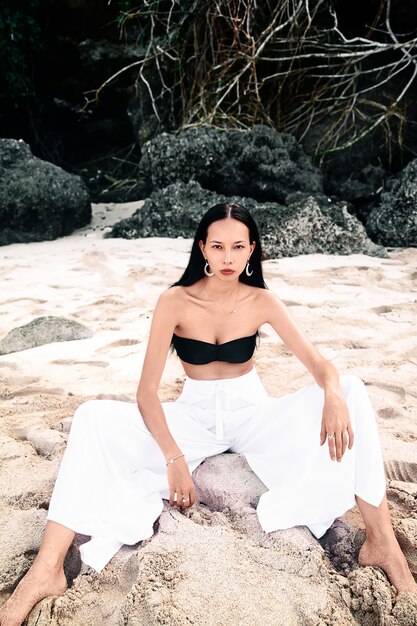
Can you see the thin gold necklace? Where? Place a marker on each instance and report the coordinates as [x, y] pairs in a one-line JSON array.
[[217, 304]]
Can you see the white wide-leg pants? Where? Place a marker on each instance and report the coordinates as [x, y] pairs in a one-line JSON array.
[[113, 476]]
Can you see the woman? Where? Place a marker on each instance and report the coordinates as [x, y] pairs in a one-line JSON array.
[[123, 458]]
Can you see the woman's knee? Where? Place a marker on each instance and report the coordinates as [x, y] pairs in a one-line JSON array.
[[351, 381], [85, 413]]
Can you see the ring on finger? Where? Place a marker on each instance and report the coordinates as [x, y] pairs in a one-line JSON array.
[[185, 499], [331, 436]]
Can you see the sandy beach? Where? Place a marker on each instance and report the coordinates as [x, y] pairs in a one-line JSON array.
[[360, 312]]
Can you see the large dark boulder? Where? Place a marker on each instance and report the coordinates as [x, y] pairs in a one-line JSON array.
[[394, 221], [267, 165], [260, 163], [308, 225], [311, 227], [174, 211], [38, 200], [360, 187], [193, 154]]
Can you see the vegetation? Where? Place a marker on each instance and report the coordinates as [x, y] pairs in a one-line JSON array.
[[21, 38], [290, 64]]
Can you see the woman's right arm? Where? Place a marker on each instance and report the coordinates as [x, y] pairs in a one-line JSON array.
[[164, 321]]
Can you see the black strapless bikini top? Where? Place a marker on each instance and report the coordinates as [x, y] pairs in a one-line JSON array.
[[199, 352]]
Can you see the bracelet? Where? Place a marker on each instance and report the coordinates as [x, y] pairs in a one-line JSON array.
[[173, 459]]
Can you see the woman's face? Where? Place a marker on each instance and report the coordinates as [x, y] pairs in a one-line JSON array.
[[227, 247]]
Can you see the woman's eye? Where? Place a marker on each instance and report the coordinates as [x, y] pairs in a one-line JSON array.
[[217, 246]]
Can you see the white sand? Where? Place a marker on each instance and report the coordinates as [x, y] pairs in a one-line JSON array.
[[359, 311]]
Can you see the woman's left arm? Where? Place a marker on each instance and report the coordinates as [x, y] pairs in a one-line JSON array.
[[336, 426]]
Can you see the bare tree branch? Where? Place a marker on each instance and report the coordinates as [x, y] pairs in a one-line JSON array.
[[285, 63]]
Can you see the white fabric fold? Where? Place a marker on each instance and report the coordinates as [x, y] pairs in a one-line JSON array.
[[113, 477], [98, 551]]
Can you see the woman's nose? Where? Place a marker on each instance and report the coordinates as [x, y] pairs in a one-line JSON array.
[[228, 257]]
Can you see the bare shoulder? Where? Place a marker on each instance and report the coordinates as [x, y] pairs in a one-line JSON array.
[[171, 305], [169, 293], [170, 296], [269, 304], [265, 297]]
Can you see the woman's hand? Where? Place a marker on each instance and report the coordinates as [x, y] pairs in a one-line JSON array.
[[335, 425], [181, 483]]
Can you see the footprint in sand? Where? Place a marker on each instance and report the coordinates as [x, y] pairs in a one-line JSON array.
[[30, 500], [396, 390], [355, 345], [382, 309], [72, 362], [388, 413], [118, 344], [402, 436], [405, 471], [31, 391], [36, 300], [96, 261], [400, 313], [10, 449]]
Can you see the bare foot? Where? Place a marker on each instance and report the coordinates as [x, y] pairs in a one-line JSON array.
[[39, 582], [388, 556]]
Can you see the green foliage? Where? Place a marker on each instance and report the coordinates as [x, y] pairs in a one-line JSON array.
[[20, 41]]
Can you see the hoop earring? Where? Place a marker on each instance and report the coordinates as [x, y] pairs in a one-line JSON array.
[[207, 273], [248, 273]]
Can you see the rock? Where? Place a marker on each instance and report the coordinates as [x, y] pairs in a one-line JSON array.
[[194, 154], [43, 330], [171, 212], [292, 550], [46, 442], [242, 488], [38, 200], [304, 227], [354, 173], [357, 186], [342, 543], [361, 188], [394, 221], [64, 425], [307, 228], [259, 163], [267, 165]]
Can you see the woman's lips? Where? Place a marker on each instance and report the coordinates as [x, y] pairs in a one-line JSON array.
[[227, 272]]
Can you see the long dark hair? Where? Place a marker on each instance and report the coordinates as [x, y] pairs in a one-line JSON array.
[[195, 268]]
